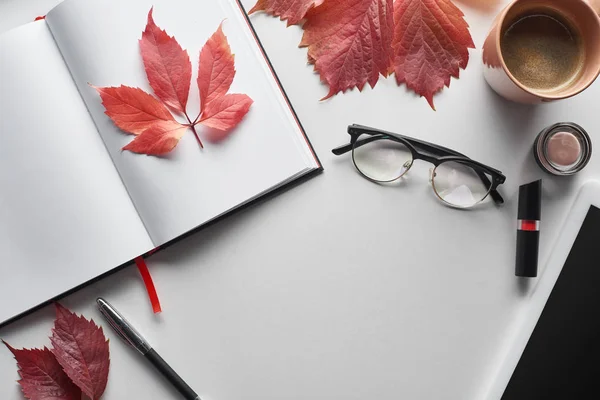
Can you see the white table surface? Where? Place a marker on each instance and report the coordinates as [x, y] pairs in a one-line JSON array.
[[339, 288]]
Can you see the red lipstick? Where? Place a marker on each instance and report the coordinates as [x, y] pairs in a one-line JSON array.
[[528, 229]]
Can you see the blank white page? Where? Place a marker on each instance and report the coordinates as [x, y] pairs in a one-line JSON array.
[[65, 216], [174, 194]]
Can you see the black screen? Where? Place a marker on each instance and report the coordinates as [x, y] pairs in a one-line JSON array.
[[562, 357]]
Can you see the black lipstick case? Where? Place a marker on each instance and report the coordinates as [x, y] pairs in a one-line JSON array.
[[528, 230]]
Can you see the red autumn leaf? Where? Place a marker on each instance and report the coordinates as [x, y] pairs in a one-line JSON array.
[[216, 68], [215, 74], [157, 140], [349, 42], [42, 377], [167, 65], [352, 42], [292, 10], [81, 349], [225, 112], [168, 70], [431, 41], [132, 109]]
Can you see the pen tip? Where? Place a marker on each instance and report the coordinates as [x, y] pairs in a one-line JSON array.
[[100, 301]]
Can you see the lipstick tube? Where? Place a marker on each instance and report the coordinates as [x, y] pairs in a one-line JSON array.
[[528, 229]]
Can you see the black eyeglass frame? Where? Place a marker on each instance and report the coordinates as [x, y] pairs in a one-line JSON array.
[[425, 151]]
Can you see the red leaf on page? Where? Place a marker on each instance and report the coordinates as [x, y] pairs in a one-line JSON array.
[[215, 74], [82, 350], [157, 140], [225, 112], [349, 42], [167, 65], [42, 377], [132, 109], [431, 42], [292, 10], [168, 70], [216, 68]]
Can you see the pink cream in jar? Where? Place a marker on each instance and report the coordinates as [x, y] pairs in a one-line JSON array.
[[563, 149]]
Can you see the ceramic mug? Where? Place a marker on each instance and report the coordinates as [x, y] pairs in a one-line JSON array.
[[581, 15]]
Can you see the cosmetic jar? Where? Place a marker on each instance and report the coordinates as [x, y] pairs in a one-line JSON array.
[[562, 149]]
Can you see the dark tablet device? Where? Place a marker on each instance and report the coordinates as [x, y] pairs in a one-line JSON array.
[[555, 352], [562, 358]]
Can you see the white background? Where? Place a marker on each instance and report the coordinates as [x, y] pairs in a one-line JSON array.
[[339, 288]]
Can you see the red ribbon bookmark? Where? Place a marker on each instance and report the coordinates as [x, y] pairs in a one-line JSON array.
[[143, 268]]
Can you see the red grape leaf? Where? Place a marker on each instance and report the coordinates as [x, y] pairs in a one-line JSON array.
[[350, 42], [167, 65], [215, 74], [168, 70], [42, 377], [225, 112], [431, 42], [132, 109], [157, 140], [216, 68], [292, 10], [81, 349]]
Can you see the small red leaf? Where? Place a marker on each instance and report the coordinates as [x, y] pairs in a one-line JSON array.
[[81, 349], [132, 109], [349, 42], [431, 41], [157, 140], [292, 10], [42, 377], [225, 112], [216, 68], [167, 65]]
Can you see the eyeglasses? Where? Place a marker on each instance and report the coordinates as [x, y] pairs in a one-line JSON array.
[[457, 180]]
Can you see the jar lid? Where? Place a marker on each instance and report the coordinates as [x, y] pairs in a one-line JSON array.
[[564, 148]]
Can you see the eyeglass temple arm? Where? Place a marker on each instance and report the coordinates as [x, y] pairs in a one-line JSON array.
[[338, 151], [496, 196], [347, 147]]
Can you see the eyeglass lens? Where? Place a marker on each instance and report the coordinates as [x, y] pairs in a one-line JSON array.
[[458, 184], [381, 160]]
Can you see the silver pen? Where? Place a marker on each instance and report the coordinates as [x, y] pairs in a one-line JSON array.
[[133, 338]]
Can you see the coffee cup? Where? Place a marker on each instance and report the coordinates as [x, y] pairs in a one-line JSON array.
[[543, 50]]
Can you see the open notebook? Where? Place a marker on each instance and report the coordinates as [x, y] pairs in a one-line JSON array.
[[73, 206]]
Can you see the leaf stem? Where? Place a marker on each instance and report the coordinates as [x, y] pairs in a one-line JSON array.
[[197, 118], [194, 130]]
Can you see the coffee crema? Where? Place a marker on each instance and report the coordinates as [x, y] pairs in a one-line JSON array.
[[542, 51]]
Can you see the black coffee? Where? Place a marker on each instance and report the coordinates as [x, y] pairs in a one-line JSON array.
[[542, 51]]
